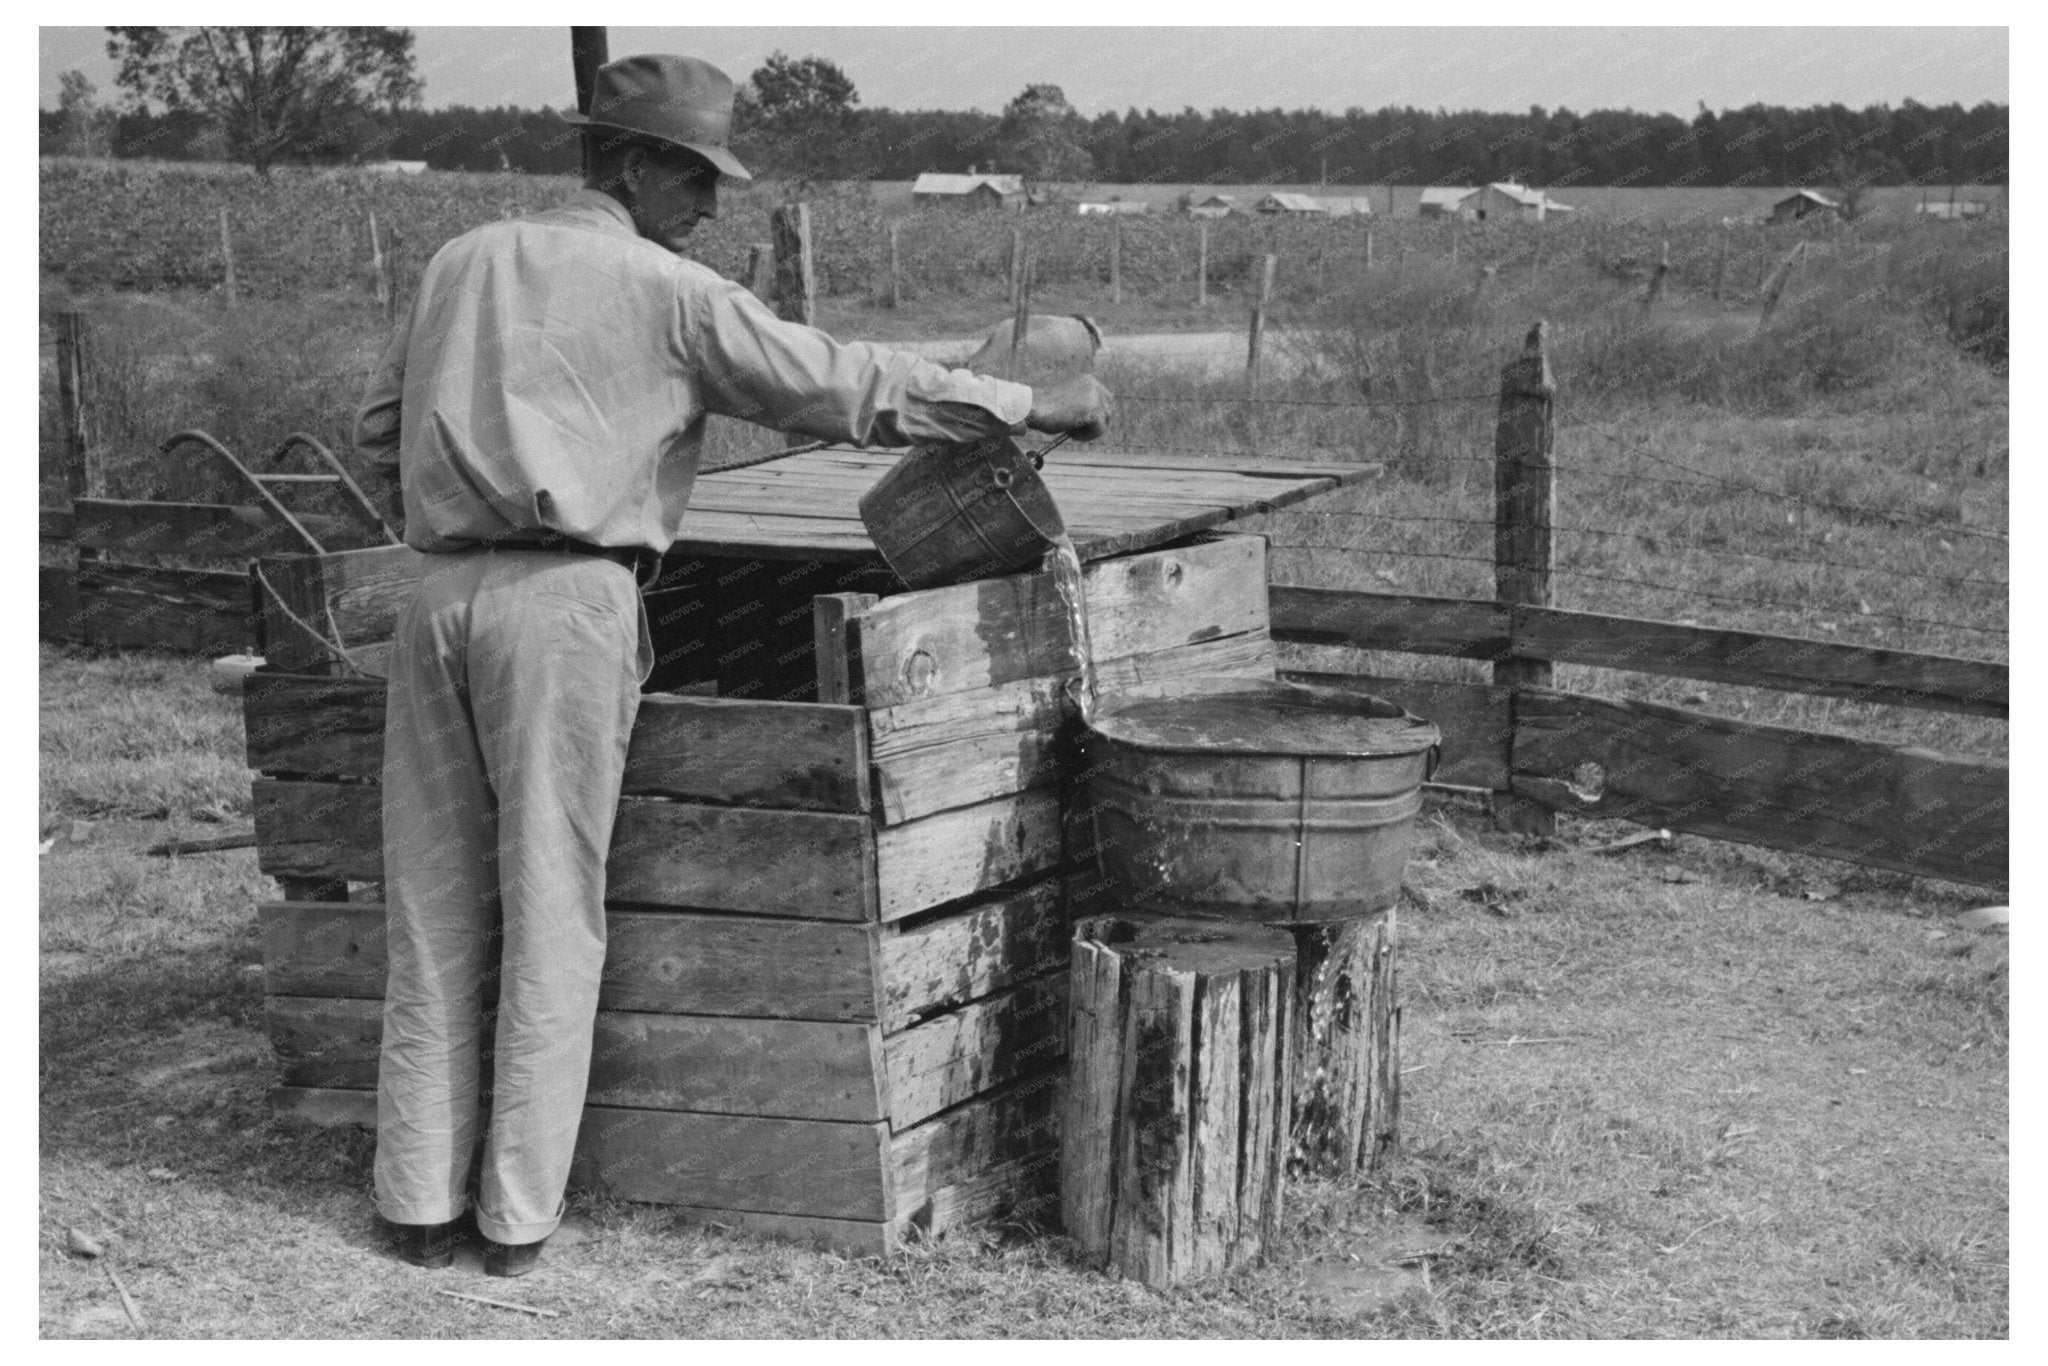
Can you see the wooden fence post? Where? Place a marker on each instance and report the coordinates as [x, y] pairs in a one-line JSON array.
[[1368, 248], [1258, 327], [1721, 264], [895, 266], [1454, 239], [380, 267], [1657, 274], [71, 344], [1116, 261], [1524, 508], [1202, 268], [1016, 264], [796, 286], [227, 255], [760, 271], [1781, 277], [1020, 321]]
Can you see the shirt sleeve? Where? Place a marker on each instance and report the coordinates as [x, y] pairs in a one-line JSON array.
[[754, 365], [377, 425]]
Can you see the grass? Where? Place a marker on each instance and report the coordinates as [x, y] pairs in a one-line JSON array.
[[1652, 1095]]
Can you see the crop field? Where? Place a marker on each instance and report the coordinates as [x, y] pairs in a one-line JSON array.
[[1703, 1091]]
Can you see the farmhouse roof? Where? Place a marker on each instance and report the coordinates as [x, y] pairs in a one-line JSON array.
[[1226, 200], [1346, 204], [939, 182], [1815, 195], [1447, 195], [1292, 203]]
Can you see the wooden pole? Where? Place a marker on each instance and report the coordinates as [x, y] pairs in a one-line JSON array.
[[1173, 1138], [1258, 327], [796, 286], [895, 266], [1774, 288], [1720, 263], [760, 276], [1368, 248], [1524, 510], [1016, 264], [380, 268], [1454, 239], [1202, 268], [589, 49], [1657, 274], [1116, 261], [71, 344], [1020, 319], [227, 256], [1346, 1048]]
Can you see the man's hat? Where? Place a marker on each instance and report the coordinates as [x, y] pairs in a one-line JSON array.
[[677, 100]]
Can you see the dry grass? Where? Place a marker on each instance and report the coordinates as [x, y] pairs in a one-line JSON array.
[[1648, 1095]]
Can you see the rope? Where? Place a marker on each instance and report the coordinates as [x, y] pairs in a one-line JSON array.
[[334, 646]]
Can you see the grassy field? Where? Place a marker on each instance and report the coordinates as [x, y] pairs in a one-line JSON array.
[[1709, 1092]]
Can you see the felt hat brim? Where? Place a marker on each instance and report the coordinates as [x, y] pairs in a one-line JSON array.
[[728, 165]]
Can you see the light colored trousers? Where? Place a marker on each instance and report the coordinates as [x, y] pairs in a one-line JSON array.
[[515, 679]]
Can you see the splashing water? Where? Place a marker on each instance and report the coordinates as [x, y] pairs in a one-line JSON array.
[[1065, 563]]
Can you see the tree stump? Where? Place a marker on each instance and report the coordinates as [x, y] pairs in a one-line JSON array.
[[1346, 1060], [1174, 1137]]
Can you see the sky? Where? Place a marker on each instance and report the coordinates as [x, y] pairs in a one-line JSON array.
[[1668, 70]]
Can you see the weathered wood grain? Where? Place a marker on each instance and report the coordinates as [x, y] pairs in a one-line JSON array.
[[1346, 1049], [1458, 627], [1910, 810], [814, 1168], [207, 529], [978, 635], [354, 594], [953, 1057], [1014, 1121], [313, 726], [1473, 718], [1901, 678], [674, 962], [931, 966], [929, 862], [801, 864], [194, 611]]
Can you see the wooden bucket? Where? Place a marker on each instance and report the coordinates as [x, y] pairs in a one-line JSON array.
[[953, 514]]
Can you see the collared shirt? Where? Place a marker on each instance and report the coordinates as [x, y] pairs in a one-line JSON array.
[[556, 370]]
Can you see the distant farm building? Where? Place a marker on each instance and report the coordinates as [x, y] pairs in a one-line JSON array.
[[1346, 206], [1799, 204], [970, 191], [1448, 201], [1289, 205], [1113, 206], [1954, 208], [396, 167], [1214, 206], [1501, 201]]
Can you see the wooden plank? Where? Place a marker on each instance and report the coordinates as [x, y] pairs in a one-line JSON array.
[[792, 1069], [810, 865], [817, 1168], [1016, 1121], [56, 602], [931, 966], [1910, 810], [207, 529], [801, 864], [1024, 1188], [1756, 660], [54, 524], [977, 635], [1458, 627], [1473, 718], [835, 651], [955, 854], [954, 1057], [309, 725], [796, 755], [660, 961], [356, 594], [197, 611], [957, 749]]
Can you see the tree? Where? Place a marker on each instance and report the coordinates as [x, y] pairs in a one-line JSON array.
[[796, 117], [271, 92], [84, 129], [1041, 137]]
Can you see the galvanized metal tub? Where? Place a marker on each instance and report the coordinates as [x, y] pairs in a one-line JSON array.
[[1256, 800], [953, 514]]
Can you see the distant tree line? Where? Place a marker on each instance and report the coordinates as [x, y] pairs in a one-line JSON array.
[[799, 119]]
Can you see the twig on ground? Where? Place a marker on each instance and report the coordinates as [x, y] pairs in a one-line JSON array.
[[1661, 838], [128, 1304], [500, 1304], [1695, 1233], [206, 846]]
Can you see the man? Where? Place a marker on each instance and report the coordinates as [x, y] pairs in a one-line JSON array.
[[541, 412]]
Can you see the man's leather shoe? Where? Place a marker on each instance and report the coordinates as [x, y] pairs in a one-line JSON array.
[[429, 1245], [510, 1259]]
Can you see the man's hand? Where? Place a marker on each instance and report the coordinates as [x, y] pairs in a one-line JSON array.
[[1081, 406]]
